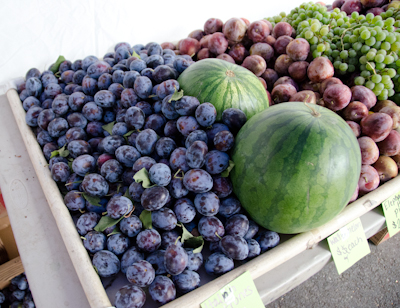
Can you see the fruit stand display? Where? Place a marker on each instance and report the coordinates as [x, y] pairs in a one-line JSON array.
[[172, 168]]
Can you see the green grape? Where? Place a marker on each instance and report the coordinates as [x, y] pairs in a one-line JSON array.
[[390, 92], [365, 49], [363, 67], [377, 45], [389, 21], [308, 35], [363, 60], [388, 59], [336, 53], [388, 86], [390, 38], [314, 40], [343, 67], [316, 54], [354, 15], [351, 68], [336, 64], [370, 56], [324, 30], [397, 23], [344, 54], [353, 39], [376, 78], [379, 87], [346, 46], [379, 58], [370, 66], [365, 74], [371, 41], [390, 28], [370, 85], [382, 52], [352, 53], [376, 19], [369, 16], [384, 95], [328, 52], [391, 72], [380, 36], [385, 46], [388, 13], [357, 46], [386, 79], [376, 92], [359, 81], [395, 47], [315, 27], [379, 24], [380, 66], [321, 47]]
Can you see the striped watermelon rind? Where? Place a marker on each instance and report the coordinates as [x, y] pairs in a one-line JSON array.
[[225, 85], [295, 171]]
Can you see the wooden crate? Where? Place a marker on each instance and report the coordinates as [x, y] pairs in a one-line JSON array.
[[12, 266], [261, 265]]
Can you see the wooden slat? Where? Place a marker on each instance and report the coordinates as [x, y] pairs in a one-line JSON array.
[[9, 270]]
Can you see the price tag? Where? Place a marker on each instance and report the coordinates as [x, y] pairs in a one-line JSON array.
[[348, 245], [391, 209], [240, 293]]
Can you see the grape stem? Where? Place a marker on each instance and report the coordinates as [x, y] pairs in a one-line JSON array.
[[372, 68], [344, 32]]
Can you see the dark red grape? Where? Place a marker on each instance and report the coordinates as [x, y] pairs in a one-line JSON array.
[[234, 30], [320, 68], [337, 97], [256, 64]]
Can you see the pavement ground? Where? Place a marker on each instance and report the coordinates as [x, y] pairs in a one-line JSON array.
[[372, 282]]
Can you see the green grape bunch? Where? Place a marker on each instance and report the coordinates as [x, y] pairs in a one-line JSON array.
[[365, 44]]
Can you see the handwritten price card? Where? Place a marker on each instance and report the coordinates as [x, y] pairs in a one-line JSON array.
[[391, 209], [240, 293], [348, 245]]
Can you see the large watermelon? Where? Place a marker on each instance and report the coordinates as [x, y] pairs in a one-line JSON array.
[[225, 85], [296, 166]]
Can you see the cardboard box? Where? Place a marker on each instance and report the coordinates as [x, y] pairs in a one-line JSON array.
[[380, 237]]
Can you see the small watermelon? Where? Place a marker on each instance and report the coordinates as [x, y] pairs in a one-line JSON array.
[[225, 85], [296, 166]]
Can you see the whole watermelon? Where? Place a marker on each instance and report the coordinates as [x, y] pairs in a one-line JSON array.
[[225, 85], [296, 166]]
